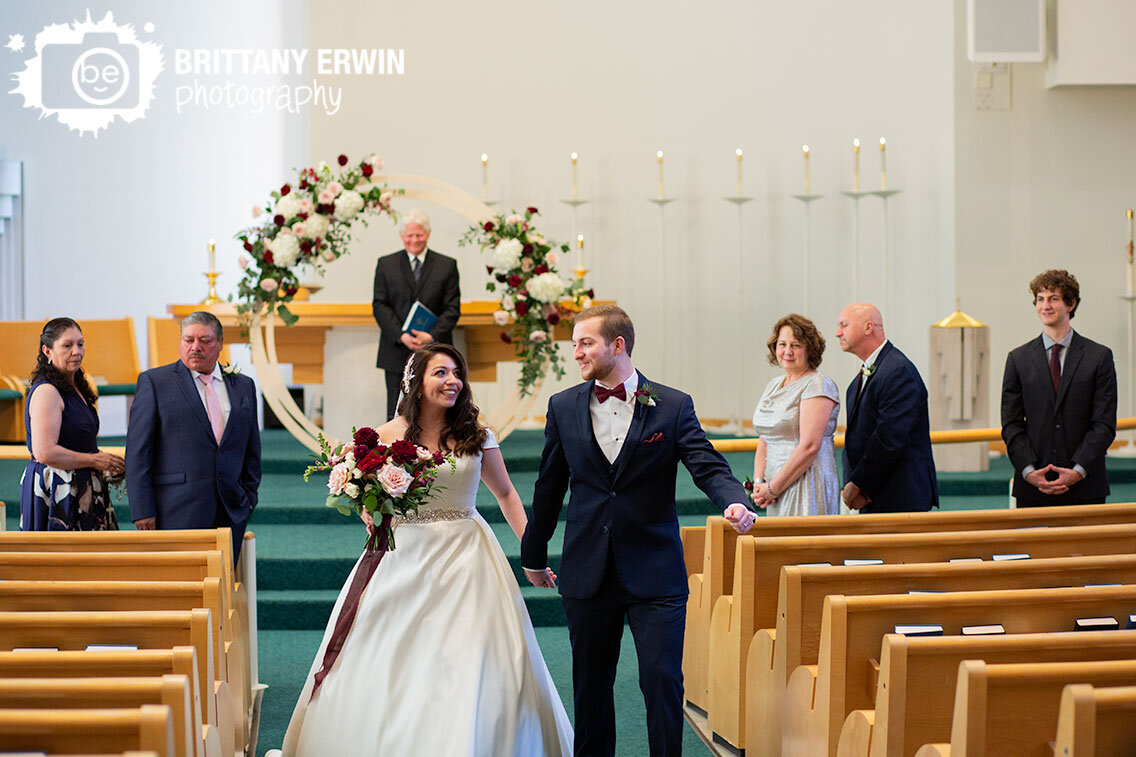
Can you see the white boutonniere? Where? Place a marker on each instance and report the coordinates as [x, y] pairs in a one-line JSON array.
[[228, 369], [867, 370], [647, 396]]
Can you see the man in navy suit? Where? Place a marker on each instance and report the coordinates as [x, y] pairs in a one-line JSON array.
[[413, 273], [616, 440], [888, 465], [1059, 404], [193, 444]]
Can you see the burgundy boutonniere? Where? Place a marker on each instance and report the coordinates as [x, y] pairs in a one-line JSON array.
[[647, 396]]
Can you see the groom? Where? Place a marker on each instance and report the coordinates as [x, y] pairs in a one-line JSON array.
[[616, 440]]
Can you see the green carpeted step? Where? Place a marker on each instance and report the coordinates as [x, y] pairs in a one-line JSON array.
[[295, 610]]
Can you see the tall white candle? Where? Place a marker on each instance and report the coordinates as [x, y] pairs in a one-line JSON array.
[[805, 150], [484, 177], [883, 164], [212, 257], [580, 247], [739, 154], [574, 177], [855, 165], [659, 156], [1131, 271]]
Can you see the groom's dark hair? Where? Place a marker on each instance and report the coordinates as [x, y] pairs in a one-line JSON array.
[[614, 321]]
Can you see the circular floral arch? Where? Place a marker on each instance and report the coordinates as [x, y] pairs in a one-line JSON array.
[[309, 223]]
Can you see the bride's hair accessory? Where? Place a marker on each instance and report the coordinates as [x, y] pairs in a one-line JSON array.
[[407, 375]]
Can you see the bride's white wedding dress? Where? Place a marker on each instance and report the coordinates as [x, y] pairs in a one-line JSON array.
[[442, 659]]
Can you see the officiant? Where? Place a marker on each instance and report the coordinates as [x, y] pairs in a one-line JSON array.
[[413, 274]]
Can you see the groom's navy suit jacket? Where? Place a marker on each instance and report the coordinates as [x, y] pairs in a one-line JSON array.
[[887, 446], [627, 507], [175, 469]]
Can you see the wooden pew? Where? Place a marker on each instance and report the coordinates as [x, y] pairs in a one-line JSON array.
[[118, 596], [1098, 722], [752, 604], [773, 653], [710, 557], [111, 359], [235, 625], [149, 727], [819, 697], [181, 660], [915, 692], [12, 402], [1012, 708], [159, 629], [108, 693]]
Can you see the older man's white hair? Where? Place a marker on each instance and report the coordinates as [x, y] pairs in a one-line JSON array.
[[414, 216]]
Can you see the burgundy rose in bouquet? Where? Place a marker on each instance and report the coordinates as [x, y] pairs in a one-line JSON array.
[[383, 480]]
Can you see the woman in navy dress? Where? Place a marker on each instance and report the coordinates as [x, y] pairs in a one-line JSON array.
[[64, 487]]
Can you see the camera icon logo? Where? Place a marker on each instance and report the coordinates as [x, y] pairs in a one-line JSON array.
[[89, 73], [95, 73]]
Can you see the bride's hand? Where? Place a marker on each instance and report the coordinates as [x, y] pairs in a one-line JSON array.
[[368, 519]]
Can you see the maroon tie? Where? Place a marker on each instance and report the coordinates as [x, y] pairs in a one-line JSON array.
[[602, 393], [1055, 366]]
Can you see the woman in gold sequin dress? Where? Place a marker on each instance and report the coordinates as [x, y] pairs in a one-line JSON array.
[[442, 658]]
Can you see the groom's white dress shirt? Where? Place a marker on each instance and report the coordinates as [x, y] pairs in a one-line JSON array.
[[611, 420]]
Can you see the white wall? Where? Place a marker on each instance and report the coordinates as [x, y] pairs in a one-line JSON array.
[[1043, 185], [118, 225], [615, 82]]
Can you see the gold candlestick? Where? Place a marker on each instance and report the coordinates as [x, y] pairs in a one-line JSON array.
[[211, 298]]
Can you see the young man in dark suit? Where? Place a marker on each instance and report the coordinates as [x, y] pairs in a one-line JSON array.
[[1058, 404], [193, 443], [412, 273], [887, 446], [616, 440]]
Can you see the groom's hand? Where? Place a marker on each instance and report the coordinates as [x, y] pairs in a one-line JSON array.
[[740, 517], [545, 578]]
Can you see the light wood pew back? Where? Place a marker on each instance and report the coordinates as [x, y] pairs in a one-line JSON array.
[[12, 410], [118, 596], [112, 351], [819, 697], [1012, 708], [752, 603], [179, 660], [915, 693], [108, 693], [774, 653], [149, 727], [1096, 722], [710, 566]]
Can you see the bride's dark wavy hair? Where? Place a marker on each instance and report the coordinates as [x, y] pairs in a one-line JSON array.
[[44, 370], [463, 434]]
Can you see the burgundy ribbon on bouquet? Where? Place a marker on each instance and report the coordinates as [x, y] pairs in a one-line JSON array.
[[378, 544]]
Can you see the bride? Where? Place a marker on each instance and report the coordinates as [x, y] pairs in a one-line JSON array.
[[442, 658]]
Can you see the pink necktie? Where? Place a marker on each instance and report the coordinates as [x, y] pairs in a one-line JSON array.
[[213, 407]]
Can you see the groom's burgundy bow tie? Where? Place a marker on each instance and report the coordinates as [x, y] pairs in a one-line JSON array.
[[602, 393]]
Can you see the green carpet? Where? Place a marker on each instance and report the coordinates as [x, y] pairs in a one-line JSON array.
[[306, 550]]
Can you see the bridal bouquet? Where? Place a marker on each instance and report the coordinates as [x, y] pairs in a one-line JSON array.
[[383, 480]]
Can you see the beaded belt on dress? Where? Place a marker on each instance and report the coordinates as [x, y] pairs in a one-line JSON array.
[[432, 516]]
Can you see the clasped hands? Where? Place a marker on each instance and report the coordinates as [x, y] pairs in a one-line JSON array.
[[854, 497], [415, 339], [1066, 477]]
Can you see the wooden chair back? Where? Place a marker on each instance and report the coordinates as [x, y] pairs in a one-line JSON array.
[[1096, 722], [852, 631], [1012, 708], [108, 693], [914, 698], [149, 727]]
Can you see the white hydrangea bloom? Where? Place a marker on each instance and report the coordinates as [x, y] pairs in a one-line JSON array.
[[547, 287]]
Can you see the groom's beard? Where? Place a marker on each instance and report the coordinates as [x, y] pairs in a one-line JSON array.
[[599, 368]]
